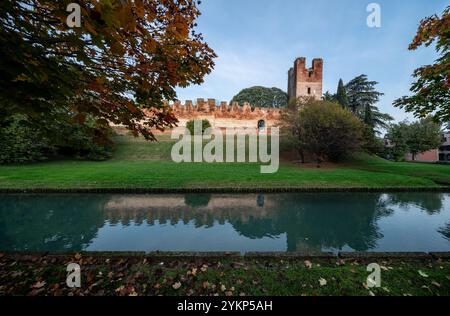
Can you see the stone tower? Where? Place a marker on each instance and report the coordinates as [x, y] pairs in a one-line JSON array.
[[303, 82]]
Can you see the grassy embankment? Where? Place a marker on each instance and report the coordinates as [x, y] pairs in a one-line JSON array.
[[46, 275], [140, 164]]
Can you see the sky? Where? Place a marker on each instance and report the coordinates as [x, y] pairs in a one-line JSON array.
[[257, 42]]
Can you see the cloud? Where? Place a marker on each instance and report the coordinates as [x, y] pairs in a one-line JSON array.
[[235, 70]]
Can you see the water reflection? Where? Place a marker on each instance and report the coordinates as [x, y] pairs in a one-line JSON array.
[[445, 231], [292, 222]]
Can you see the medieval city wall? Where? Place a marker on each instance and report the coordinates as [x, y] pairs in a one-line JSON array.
[[224, 115]]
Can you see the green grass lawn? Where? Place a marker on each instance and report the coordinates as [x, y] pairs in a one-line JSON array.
[[140, 164]]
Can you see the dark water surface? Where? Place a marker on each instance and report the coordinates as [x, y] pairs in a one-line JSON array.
[[226, 222]]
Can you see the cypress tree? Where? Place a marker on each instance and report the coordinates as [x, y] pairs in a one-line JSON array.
[[341, 95]]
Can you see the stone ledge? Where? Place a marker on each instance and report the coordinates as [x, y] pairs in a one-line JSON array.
[[113, 253], [440, 255], [382, 255], [290, 255], [192, 254], [443, 189], [238, 255]]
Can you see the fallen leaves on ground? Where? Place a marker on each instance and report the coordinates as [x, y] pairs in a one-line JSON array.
[[176, 285], [422, 274], [46, 275], [308, 264]]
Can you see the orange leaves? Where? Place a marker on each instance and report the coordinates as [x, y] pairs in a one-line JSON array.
[[150, 45], [140, 10], [117, 48], [132, 108], [124, 51], [90, 28], [171, 72]]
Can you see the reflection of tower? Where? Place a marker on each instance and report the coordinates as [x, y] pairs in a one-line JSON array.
[[260, 200]]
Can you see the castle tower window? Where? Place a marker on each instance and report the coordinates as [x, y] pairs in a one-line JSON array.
[[309, 90]]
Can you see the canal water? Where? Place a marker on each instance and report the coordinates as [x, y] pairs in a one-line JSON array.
[[226, 222]]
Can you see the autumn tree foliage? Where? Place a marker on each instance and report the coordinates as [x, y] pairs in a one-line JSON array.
[[124, 59], [431, 90]]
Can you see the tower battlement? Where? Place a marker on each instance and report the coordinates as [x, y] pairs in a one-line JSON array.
[[305, 82], [210, 108]]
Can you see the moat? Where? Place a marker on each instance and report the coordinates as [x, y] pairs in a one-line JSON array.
[[226, 222]]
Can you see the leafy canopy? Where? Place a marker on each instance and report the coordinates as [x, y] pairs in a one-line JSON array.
[[415, 138], [360, 96], [126, 57], [329, 131], [262, 97], [431, 90], [362, 99]]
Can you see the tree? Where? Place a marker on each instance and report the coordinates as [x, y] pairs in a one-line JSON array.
[[126, 57], [341, 95], [397, 135], [328, 130], [423, 135], [362, 97], [262, 97], [327, 96], [203, 124], [415, 138], [289, 124], [432, 87]]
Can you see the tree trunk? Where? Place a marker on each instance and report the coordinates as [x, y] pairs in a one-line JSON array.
[[301, 155]]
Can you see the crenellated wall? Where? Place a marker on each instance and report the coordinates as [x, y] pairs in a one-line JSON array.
[[223, 115]]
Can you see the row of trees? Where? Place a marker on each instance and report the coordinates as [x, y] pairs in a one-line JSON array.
[[359, 96], [349, 120], [327, 130]]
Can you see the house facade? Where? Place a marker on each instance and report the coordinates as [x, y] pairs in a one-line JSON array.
[[441, 154]]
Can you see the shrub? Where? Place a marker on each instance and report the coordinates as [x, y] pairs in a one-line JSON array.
[[190, 126], [20, 143], [22, 140], [84, 141], [328, 131]]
